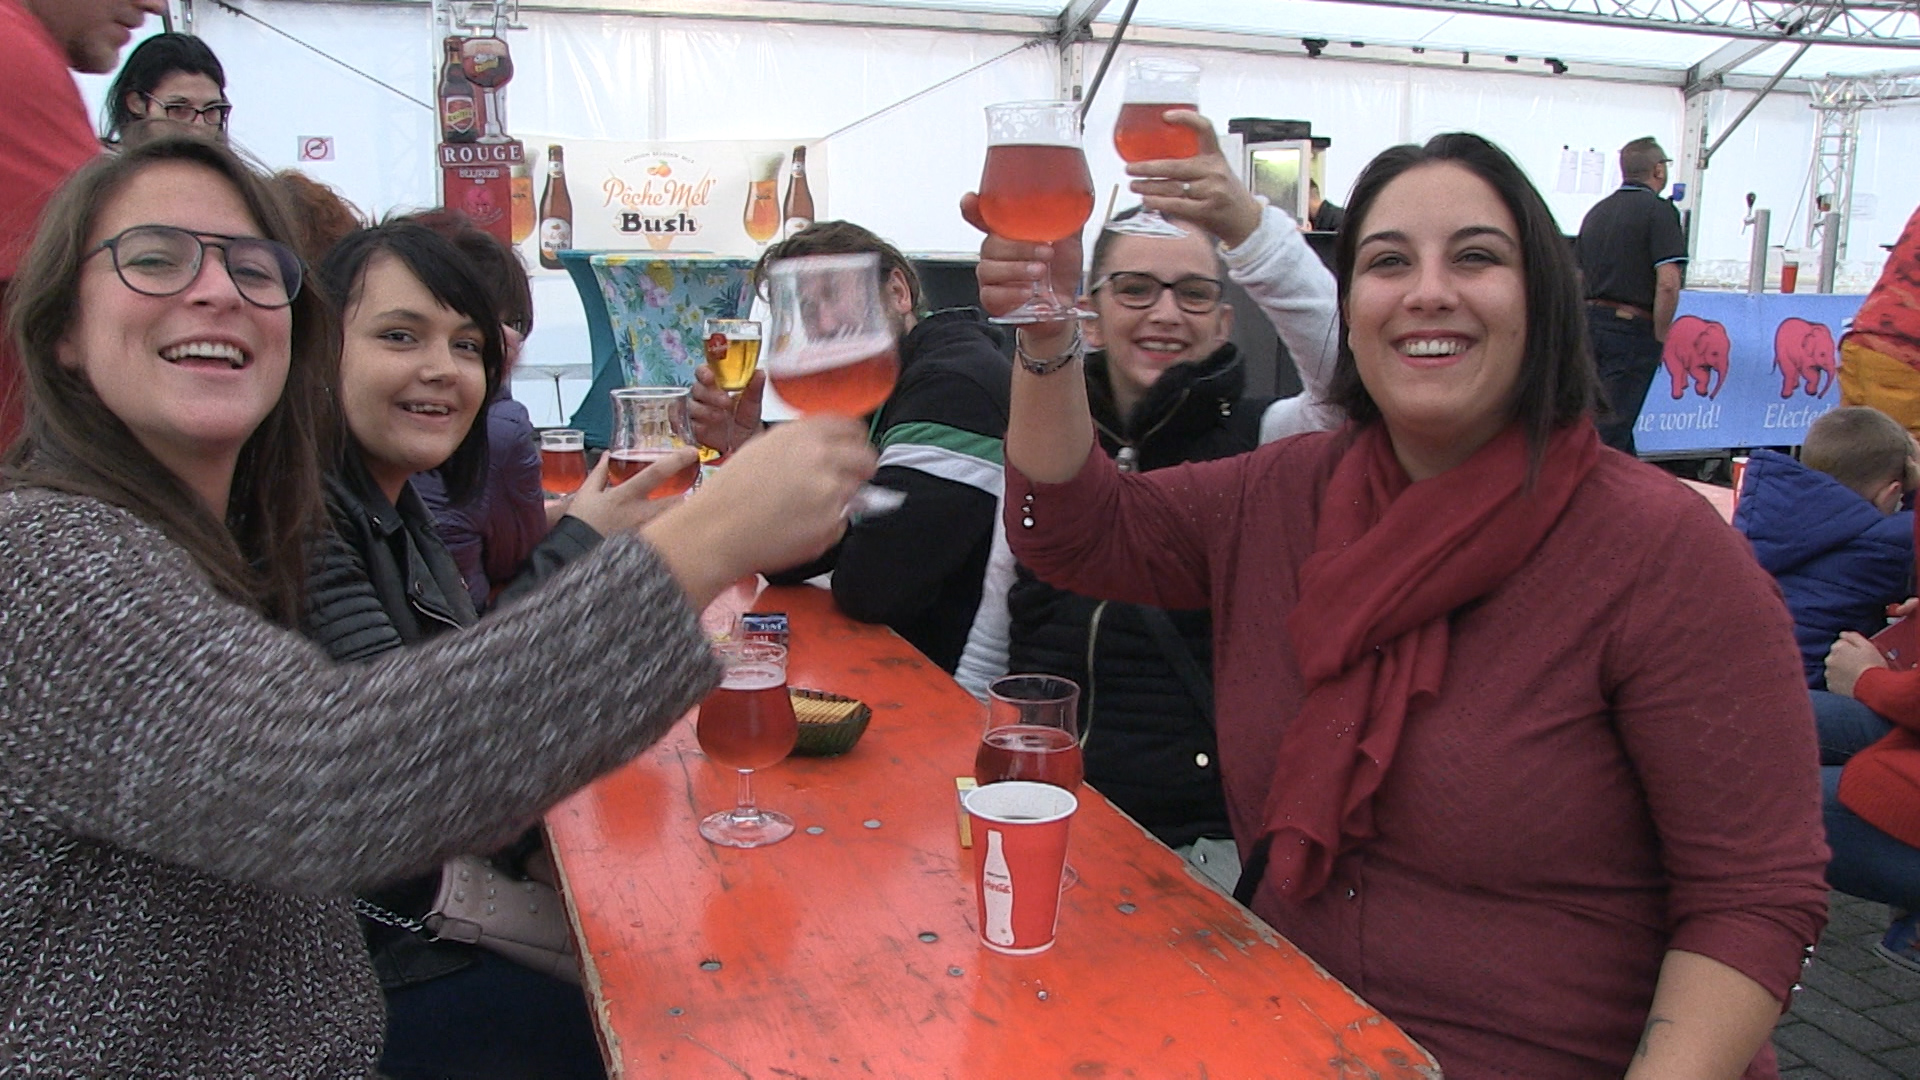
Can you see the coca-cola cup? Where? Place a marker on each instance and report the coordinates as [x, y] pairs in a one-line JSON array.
[[1020, 846]]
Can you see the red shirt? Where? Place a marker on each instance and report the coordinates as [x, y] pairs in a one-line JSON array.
[[46, 135], [1621, 760]]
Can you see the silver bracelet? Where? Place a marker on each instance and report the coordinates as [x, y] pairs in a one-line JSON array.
[[1047, 365]]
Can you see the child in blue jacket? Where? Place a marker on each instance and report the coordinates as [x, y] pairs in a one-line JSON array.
[[1829, 527]]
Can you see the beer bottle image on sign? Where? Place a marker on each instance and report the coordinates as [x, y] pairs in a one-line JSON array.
[[456, 99], [798, 209], [556, 211]]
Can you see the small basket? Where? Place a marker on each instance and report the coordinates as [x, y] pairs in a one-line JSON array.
[[829, 723]]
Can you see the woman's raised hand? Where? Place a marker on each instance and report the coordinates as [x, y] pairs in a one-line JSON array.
[[779, 501], [1008, 269]]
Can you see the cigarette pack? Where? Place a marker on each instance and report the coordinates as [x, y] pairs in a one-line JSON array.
[[769, 626]]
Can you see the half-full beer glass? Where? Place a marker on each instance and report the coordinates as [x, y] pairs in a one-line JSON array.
[[649, 423], [1036, 188]]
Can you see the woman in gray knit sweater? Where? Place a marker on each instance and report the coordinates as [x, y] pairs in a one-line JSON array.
[[189, 791]]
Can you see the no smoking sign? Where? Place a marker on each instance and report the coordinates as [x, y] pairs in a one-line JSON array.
[[316, 148]]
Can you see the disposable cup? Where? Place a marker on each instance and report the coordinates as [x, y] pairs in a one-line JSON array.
[[1020, 847]]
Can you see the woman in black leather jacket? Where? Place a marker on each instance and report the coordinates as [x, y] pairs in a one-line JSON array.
[[422, 353]]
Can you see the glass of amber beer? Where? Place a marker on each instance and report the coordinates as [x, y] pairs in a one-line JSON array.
[[1036, 188], [1155, 85], [733, 352], [649, 423], [748, 724], [831, 345], [563, 461]]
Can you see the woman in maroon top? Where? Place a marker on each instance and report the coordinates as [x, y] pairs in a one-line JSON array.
[[1510, 724]]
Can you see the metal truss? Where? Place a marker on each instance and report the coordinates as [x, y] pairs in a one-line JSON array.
[[1838, 101], [1886, 23]]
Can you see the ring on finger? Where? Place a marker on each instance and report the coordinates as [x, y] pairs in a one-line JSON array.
[[1186, 187]]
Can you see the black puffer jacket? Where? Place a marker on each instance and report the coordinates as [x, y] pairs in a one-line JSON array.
[[380, 580], [1149, 743]]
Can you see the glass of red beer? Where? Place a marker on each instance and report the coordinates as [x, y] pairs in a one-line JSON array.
[[748, 724], [1155, 85], [1036, 189], [649, 423], [831, 346], [563, 461], [1032, 733]]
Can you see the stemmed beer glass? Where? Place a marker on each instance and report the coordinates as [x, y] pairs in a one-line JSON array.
[[1155, 85], [747, 724], [830, 347], [1036, 189], [733, 352]]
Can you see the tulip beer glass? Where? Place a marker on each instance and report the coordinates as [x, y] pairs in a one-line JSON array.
[[748, 724], [1036, 188], [1155, 84], [650, 422], [830, 345], [563, 461], [1032, 733], [733, 352]]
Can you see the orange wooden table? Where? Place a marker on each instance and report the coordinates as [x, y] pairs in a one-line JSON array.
[[850, 949]]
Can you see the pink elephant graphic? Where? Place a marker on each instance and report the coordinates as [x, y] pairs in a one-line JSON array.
[[1803, 352], [1697, 349]]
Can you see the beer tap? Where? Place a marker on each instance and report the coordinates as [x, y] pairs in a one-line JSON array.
[[1747, 222]]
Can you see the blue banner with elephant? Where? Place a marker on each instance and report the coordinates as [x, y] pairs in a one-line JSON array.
[[1743, 370]]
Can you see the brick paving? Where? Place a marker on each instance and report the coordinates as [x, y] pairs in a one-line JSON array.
[[1856, 1017]]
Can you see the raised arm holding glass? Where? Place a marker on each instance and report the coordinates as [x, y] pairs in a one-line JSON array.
[[1520, 819]]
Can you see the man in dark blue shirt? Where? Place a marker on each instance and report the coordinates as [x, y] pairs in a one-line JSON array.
[[1632, 253]]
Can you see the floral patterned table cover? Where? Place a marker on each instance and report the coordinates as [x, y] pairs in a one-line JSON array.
[[657, 305]]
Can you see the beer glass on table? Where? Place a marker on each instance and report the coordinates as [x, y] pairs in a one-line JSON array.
[[733, 352], [487, 64], [747, 724], [1155, 85], [831, 347], [563, 461], [649, 423], [1032, 733], [1036, 188]]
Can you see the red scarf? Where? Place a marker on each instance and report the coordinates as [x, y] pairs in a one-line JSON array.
[[1392, 560]]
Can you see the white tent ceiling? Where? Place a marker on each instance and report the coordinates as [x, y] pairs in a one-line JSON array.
[[1662, 38]]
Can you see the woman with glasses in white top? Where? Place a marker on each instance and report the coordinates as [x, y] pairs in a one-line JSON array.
[[171, 83]]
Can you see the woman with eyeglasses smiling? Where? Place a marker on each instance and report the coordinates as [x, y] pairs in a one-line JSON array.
[[190, 791], [1166, 385], [170, 83]]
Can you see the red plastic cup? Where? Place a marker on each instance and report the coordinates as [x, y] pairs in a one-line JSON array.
[[1020, 848]]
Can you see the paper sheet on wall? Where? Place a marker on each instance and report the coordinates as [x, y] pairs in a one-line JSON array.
[[1567, 181], [1592, 164]]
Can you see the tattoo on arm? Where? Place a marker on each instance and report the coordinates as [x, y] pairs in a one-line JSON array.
[[1646, 1034]]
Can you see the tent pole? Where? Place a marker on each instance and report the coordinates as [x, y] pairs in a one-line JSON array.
[[1706, 157], [1106, 58]]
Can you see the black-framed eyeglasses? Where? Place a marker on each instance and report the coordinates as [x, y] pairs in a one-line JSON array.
[[185, 112], [1195, 295], [160, 260]]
